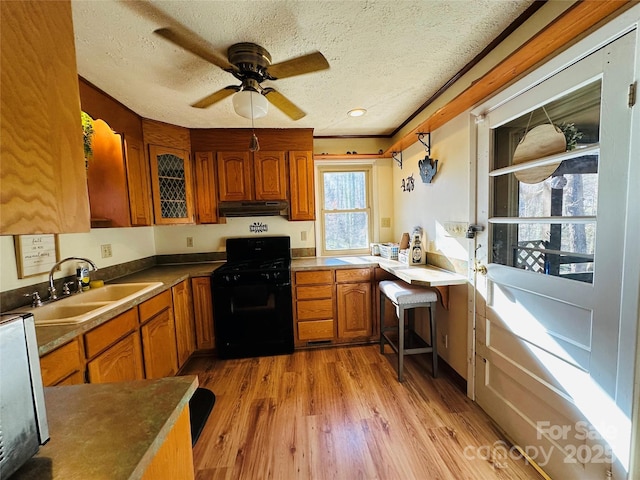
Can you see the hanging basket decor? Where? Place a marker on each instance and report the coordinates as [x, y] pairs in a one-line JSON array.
[[539, 142]]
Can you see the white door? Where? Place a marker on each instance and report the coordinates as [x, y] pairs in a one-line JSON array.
[[548, 323]]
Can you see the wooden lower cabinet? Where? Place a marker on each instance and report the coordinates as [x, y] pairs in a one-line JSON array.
[[355, 313], [313, 309], [203, 313], [183, 316], [174, 459], [113, 350], [62, 366], [354, 310], [119, 363], [158, 336]]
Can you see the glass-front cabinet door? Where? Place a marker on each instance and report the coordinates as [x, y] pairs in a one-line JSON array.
[[171, 183]]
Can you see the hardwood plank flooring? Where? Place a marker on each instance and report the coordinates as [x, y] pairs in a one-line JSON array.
[[340, 413]]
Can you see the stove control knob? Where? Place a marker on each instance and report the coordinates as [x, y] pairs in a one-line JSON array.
[[236, 277]]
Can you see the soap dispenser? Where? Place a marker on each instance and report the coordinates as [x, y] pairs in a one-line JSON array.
[[417, 255]]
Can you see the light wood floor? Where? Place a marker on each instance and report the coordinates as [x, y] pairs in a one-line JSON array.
[[340, 413]]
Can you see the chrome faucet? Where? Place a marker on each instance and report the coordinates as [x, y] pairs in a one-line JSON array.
[[52, 288]]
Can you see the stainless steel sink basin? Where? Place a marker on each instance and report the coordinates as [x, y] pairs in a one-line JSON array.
[[84, 306]]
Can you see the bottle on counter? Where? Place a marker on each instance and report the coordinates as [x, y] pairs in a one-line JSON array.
[[417, 255], [82, 275]]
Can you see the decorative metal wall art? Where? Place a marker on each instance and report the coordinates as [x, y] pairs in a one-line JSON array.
[[258, 227], [408, 185], [428, 167]]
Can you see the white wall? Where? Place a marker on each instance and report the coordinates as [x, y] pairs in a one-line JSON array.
[[211, 238], [430, 206], [127, 244]]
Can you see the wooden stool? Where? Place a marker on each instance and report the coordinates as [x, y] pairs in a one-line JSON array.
[[407, 298]]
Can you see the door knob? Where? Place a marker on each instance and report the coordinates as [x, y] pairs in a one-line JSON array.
[[480, 268]]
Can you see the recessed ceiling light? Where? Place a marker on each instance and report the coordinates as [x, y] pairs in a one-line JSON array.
[[356, 112]]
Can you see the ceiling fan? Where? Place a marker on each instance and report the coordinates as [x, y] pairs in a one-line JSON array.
[[251, 64]]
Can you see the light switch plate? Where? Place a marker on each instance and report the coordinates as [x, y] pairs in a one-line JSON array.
[[105, 250], [456, 229]]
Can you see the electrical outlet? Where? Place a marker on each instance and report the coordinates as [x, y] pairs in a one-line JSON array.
[[105, 250], [385, 222], [189, 241], [303, 236]]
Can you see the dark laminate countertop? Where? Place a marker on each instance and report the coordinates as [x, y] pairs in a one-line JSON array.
[[107, 431]]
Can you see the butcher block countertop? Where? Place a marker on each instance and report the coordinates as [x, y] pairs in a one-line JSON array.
[[107, 431]]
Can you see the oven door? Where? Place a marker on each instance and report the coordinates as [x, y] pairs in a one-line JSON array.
[[252, 320]]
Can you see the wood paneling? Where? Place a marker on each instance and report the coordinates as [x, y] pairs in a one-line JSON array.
[[101, 106], [160, 133], [271, 139], [558, 35], [61, 363], [42, 171], [301, 186], [340, 413], [203, 313], [206, 187]]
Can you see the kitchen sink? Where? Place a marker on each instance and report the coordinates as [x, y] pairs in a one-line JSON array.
[[79, 308]]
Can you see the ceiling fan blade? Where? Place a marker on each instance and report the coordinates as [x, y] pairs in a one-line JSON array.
[[195, 47], [216, 97], [297, 66], [283, 103]]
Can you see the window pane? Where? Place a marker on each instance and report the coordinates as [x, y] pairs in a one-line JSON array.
[[572, 191], [563, 250], [568, 189], [346, 231], [345, 190]]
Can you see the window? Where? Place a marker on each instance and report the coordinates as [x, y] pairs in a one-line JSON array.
[[548, 225], [345, 216]]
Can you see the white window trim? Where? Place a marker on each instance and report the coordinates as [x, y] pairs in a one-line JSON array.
[[337, 166]]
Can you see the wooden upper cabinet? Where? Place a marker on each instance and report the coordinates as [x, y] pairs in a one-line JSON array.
[[139, 183], [301, 185], [206, 188], [270, 175], [171, 182], [43, 177], [234, 176], [119, 184]]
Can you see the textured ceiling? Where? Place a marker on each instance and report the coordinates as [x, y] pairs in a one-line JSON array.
[[386, 56]]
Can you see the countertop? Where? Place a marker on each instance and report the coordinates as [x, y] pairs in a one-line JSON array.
[[53, 336], [107, 431]]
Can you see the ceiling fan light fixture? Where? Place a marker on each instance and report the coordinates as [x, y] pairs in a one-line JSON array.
[[357, 112], [250, 104]]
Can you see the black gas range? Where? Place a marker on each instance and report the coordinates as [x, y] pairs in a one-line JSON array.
[[252, 298]]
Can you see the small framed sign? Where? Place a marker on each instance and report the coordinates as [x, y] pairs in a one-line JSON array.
[[36, 254]]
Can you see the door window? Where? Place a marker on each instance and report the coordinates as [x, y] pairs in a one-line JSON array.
[[544, 208]]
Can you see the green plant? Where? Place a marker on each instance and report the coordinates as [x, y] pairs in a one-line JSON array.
[[571, 134], [87, 131]]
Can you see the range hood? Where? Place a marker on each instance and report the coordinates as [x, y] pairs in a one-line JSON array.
[[254, 208]]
